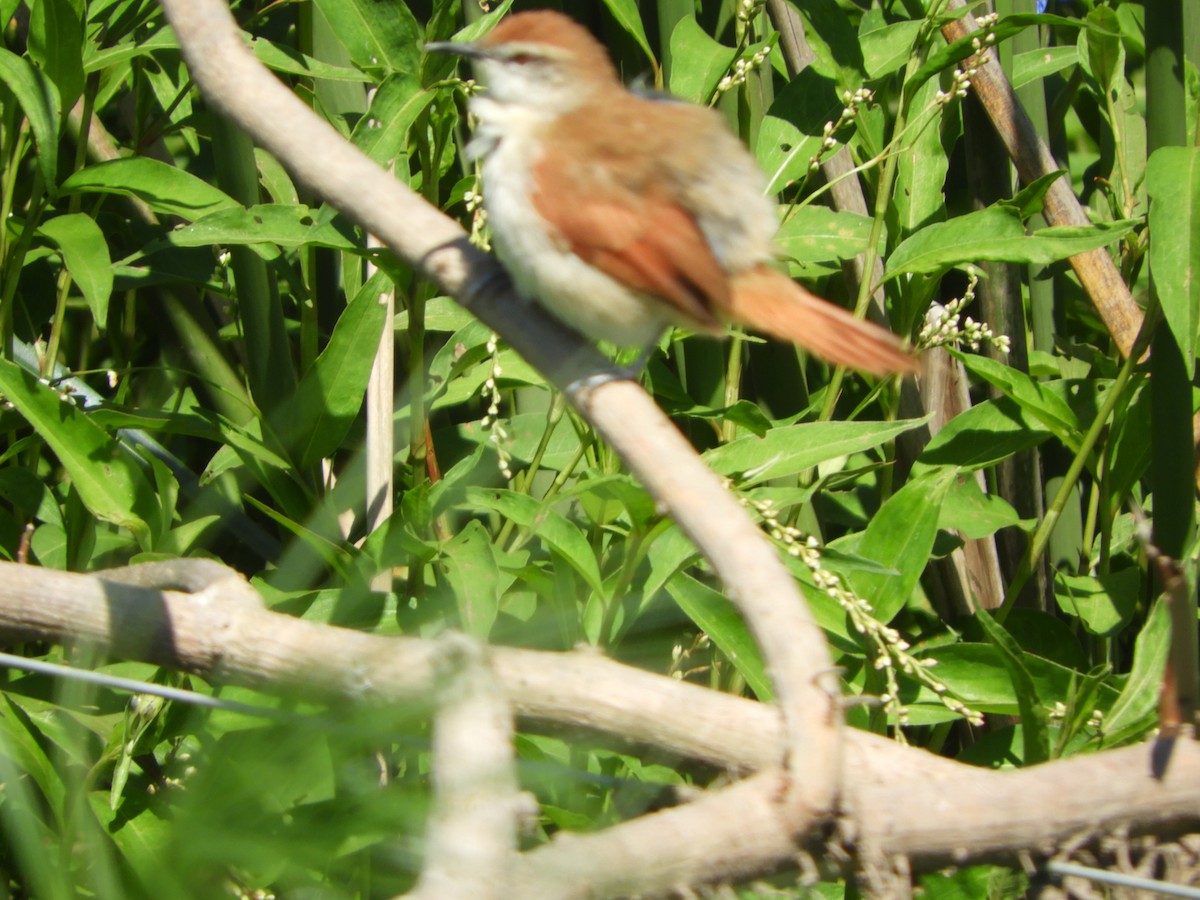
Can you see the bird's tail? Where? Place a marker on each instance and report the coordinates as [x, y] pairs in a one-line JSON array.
[[771, 302]]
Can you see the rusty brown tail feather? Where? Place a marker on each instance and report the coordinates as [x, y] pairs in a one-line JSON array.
[[770, 302]]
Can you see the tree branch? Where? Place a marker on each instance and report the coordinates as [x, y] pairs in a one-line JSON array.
[[899, 802], [793, 646]]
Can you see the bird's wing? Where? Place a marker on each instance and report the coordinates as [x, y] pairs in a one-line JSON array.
[[638, 238]]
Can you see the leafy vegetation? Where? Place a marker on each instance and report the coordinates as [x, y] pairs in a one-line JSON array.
[[188, 339]]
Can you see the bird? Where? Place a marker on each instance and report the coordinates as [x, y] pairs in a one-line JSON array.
[[624, 213]]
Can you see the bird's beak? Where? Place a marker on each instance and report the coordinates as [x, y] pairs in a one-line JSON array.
[[463, 48]]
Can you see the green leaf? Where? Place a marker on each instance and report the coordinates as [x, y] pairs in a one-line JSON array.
[[973, 513], [56, 45], [1173, 186], [833, 41], [1031, 198], [719, 619], [549, 526], [1105, 53], [1104, 604], [983, 435], [382, 133], [886, 47], [996, 234], [85, 254], [900, 537], [1034, 65], [315, 420], [919, 197], [290, 61], [945, 57], [1034, 718], [793, 128], [164, 188], [1036, 398], [699, 62], [110, 479], [1134, 713], [791, 449], [378, 34], [39, 100], [976, 674], [288, 226], [815, 233], [629, 17], [470, 564]]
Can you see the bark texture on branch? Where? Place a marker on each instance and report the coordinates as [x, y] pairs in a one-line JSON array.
[[896, 802], [1095, 269], [792, 645]]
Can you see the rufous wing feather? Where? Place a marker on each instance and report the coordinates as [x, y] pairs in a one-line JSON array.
[[770, 302]]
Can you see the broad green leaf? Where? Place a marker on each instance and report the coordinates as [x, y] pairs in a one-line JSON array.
[[1034, 65], [900, 536], [886, 47], [1134, 712], [31, 784], [1105, 55], [944, 57], [39, 100], [1173, 184], [983, 435], [698, 62], [667, 556], [549, 526], [1104, 603], [286, 226], [921, 168], [56, 45], [164, 188], [49, 546], [815, 233], [1031, 198], [833, 41], [110, 479], [996, 234], [719, 619], [792, 130], [283, 58], [1036, 398], [971, 512], [85, 254], [976, 674], [1034, 718], [793, 448], [315, 420], [470, 564], [629, 17], [378, 35], [382, 134]]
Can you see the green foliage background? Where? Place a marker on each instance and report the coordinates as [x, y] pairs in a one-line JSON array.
[[187, 340]]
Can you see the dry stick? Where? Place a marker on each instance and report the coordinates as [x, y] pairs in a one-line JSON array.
[[792, 644], [973, 570], [846, 192], [1095, 268], [471, 835], [900, 800]]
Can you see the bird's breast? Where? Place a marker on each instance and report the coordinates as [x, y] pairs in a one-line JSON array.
[[544, 268]]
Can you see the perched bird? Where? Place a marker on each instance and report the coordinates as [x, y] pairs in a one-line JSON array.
[[624, 214]]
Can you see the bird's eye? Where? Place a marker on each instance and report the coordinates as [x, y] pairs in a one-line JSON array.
[[523, 59]]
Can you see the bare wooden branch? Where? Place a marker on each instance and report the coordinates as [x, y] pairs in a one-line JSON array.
[[1095, 268], [756, 580], [471, 837], [896, 801]]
